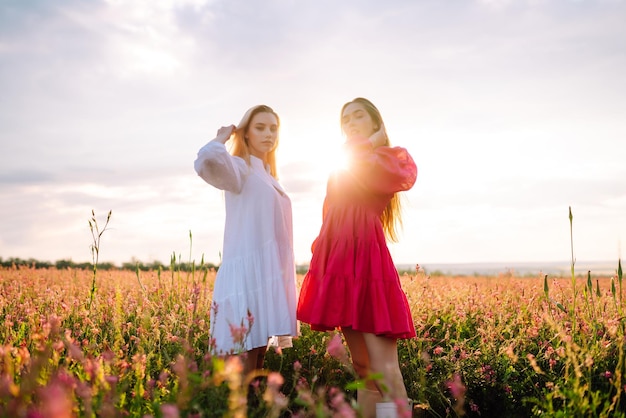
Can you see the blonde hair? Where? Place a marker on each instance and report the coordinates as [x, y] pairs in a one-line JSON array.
[[391, 217], [239, 143]]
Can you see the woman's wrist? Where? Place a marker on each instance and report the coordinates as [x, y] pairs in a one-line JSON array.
[[224, 133], [378, 139], [219, 140]]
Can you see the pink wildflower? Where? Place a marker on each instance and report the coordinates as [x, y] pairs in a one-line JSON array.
[[233, 366], [272, 395], [488, 373], [275, 380], [457, 389], [212, 344], [337, 350], [339, 404], [170, 411], [238, 334], [255, 384], [250, 319], [56, 400], [403, 407], [552, 363], [456, 386], [75, 352], [438, 350]]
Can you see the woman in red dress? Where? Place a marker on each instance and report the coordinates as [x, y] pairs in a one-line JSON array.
[[352, 282]]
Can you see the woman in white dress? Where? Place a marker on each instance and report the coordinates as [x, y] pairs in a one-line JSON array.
[[254, 297]]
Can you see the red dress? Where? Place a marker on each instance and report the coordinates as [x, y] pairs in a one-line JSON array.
[[352, 280]]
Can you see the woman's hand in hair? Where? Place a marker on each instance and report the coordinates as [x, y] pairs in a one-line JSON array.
[[224, 133], [379, 137]]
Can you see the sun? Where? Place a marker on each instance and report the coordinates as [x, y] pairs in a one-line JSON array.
[[335, 159], [320, 152]]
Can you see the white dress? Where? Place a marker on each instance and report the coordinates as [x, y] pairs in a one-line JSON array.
[[257, 273]]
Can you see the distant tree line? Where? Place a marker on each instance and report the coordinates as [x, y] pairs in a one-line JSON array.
[[132, 265]]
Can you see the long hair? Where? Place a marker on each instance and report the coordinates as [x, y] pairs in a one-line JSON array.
[[240, 147], [391, 217]]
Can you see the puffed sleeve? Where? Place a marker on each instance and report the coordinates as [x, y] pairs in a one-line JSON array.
[[220, 169], [382, 169]]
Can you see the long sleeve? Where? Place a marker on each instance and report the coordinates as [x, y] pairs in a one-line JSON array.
[[382, 169], [220, 169]]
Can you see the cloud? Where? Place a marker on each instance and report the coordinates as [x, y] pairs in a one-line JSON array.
[[26, 177], [511, 109], [150, 219]]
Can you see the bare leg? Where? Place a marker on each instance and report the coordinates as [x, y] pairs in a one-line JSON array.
[[369, 396], [383, 354], [260, 357], [376, 354], [252, 358], [367, 400]]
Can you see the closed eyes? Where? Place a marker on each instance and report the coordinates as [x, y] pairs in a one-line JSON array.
[[357, 114], [261, 128]]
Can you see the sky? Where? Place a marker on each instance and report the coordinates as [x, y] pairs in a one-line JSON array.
[[513, 110]]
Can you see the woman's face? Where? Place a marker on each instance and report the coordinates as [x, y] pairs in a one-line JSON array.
[[262, 134], [356, 121]]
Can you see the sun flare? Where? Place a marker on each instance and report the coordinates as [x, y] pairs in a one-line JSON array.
[[333, 160], [322, 150]]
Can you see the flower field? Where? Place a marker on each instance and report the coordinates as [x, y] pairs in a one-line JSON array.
[[138, 344]]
